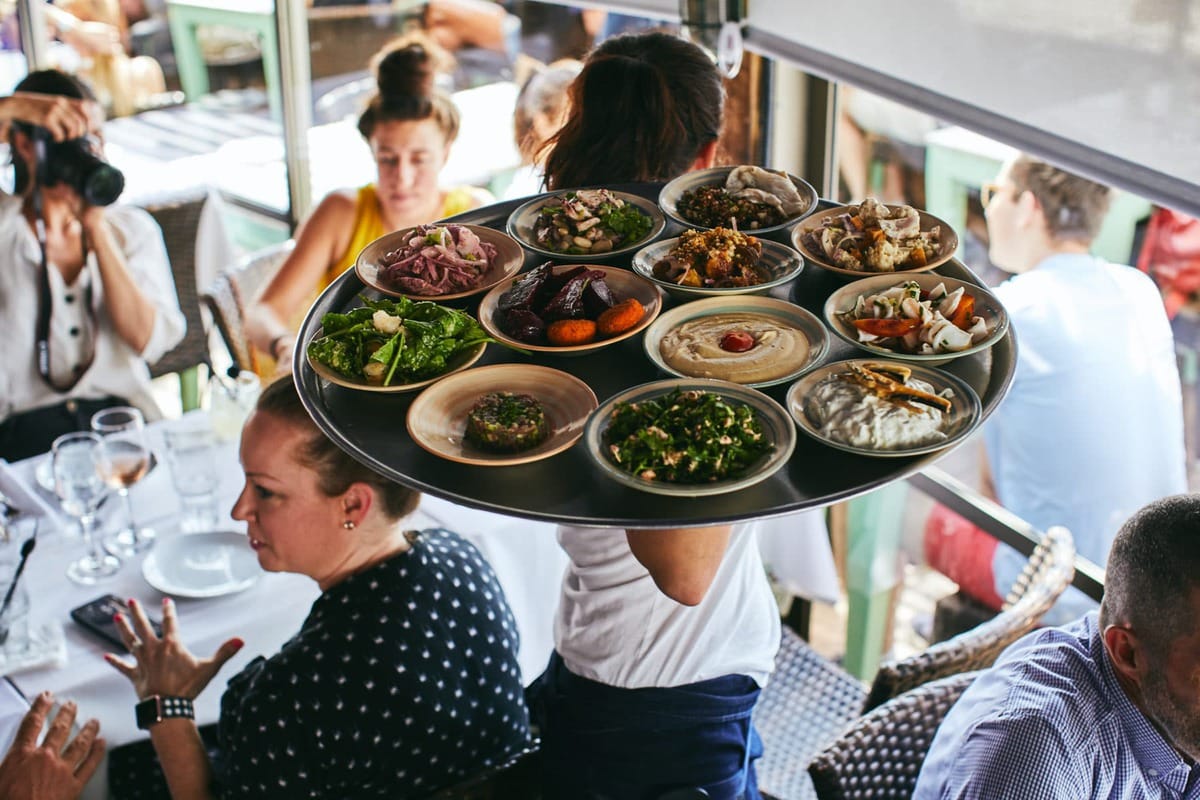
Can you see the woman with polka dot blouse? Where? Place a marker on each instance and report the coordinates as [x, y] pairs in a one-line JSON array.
[[403, 678]]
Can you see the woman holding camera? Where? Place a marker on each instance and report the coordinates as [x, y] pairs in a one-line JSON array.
[[88, 299]]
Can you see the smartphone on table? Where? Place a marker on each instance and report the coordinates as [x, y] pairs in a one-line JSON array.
[[97, 618]]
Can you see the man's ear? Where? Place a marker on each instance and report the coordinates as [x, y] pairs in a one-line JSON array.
[[706, 157], [1029, 209], [1126, 652]]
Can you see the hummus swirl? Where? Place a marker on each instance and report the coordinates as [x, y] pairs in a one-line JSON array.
[[843, 411], [694, 348]]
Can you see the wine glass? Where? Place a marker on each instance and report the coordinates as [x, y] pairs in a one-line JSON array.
[[122, 459], [80, 490]]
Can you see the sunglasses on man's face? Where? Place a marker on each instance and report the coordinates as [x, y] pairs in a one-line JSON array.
[[989, 191]]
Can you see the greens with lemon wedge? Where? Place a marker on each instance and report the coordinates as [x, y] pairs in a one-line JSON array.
[[392, 342]]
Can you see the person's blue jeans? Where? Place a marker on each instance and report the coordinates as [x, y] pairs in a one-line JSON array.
[[600, 742]]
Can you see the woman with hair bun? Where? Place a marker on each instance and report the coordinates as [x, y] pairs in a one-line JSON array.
[[409, 124], [646, 107]]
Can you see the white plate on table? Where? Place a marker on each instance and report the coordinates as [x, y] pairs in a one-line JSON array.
[[202, 564]]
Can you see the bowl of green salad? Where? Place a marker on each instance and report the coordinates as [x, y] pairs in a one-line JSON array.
[[395, 345], [586, 224], [690, 437]]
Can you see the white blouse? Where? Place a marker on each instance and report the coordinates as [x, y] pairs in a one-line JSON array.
[[118, 369]]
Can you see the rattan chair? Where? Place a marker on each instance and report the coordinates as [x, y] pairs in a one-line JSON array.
[[880, 756], [232, 292], [179, 220], [810, 701]]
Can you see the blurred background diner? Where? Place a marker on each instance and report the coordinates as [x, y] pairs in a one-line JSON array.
[[235, 125]]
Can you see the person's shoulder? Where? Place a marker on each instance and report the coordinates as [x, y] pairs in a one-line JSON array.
[[339, 203], [464, 198]]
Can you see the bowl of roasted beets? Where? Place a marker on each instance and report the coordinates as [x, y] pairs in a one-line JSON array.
[[569, 310]]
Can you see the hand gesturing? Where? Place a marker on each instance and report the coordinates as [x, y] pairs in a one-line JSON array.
[[163, 666]]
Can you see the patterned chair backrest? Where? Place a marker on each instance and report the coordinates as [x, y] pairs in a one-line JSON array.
[[180, 221], [880, 756], [232, 293], [1046, 575]]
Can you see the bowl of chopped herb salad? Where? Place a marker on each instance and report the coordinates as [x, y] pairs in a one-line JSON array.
[[690, 437]]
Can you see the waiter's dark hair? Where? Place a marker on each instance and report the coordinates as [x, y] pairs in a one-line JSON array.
[[641, 110], [336, 470], [1153, 567], [43, 81], [406, 71]]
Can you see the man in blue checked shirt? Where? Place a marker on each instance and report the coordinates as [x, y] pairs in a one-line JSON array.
[[1106, 707]]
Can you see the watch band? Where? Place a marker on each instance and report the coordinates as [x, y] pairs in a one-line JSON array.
[[156, 708]]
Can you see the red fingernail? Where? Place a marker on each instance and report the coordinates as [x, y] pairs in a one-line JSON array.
[[117, 617], [238, 643], [131, 602]]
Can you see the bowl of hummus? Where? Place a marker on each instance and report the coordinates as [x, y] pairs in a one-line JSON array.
[[753, 341], [884, 408]]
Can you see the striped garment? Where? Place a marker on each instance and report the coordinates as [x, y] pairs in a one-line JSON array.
[[1050, 721]]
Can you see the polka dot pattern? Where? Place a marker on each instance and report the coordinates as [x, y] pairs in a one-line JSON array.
[[403, 679]]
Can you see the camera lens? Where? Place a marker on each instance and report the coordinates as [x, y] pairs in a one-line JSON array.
[[103, 185], [77, 165]]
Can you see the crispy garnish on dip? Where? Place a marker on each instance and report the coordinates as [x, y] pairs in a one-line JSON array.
[[718, 258], [888, 382]]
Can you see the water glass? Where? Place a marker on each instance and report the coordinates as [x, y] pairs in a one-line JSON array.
[[231, 402], [123, 459], [191, 454], [80, 489]]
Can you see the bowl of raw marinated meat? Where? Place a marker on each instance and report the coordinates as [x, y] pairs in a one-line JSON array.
[[871, 238], [586, 224], [439, 261], [745, 198], [568, 309]]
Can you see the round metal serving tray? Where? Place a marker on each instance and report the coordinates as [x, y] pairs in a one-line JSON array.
[[569, 488]]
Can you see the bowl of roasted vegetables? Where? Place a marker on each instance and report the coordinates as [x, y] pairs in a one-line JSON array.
[[689, 437], [870, 238], [717, 263], [395, 345], [439, 262], [569, 309], [926, 317], [585, 224], [746, 198]]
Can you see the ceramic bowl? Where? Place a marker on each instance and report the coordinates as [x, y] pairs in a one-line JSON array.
[[947, 243], [781, 262], [739, 310], [623, 283], [508, 262], [668, 198], [520, 227], [843, 300], [777, 427], [437, 417]]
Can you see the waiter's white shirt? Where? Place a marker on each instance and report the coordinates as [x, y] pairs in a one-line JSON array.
[[118, 369], [616, 627]]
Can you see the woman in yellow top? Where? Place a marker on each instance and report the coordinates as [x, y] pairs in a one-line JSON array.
[[410, 126]]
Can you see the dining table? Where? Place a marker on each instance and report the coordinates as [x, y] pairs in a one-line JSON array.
[[525, 556], [569, 487]]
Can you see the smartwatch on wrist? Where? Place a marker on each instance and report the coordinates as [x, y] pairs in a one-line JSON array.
[[156, 708]]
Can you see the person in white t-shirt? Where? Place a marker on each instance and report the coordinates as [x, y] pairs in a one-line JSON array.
[[663, 640]]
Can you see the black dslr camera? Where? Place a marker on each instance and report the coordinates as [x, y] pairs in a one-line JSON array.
[[78, 164]]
